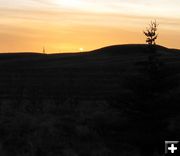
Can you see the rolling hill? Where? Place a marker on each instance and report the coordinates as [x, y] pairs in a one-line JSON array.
[[116, 53], [103, 68], [112, 101]]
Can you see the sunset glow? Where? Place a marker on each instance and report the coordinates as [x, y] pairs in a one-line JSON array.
[[66, 25]]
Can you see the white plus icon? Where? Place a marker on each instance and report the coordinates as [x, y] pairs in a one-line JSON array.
[[172, 148]]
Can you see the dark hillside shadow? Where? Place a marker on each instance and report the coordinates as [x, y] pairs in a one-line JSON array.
[[107, 102]]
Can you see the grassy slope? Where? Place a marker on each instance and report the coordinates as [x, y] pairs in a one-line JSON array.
[[111, 126], [104, 68]]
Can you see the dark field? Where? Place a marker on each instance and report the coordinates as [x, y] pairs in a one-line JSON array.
[[112, 101]]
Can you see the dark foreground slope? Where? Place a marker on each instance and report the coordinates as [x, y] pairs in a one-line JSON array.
[[111, 101]]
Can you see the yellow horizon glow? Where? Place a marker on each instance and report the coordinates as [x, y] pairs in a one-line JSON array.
[[66, 26]]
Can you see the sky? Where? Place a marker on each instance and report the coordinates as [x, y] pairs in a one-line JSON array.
[[83, 25]]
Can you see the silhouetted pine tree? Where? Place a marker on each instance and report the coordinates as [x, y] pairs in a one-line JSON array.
[[151, 33]]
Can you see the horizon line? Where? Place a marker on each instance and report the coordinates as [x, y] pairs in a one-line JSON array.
[[84, 51]]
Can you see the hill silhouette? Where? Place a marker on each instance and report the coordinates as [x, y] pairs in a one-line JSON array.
[[111, 54], [104, 102]]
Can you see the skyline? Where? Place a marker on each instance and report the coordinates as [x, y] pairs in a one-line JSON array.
[[77, 25]]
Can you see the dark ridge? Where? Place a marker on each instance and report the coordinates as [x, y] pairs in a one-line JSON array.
[[110, 54], [113, 49], [7, 56], [126, 49]]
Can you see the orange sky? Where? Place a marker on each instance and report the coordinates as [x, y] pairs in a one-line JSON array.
[[68, 25]]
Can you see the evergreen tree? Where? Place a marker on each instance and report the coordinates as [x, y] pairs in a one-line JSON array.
[[151, 33]]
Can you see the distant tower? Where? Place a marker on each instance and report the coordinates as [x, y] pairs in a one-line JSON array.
[[44, 50]]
